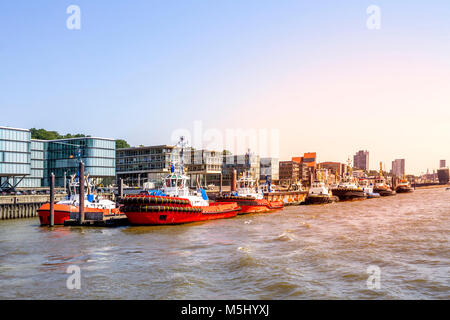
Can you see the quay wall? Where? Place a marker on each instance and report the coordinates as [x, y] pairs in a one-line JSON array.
[[23, 206]]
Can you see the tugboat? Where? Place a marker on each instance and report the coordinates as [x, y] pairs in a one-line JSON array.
[[404, 186], [248, 199], [381, 186], [175, 203], [63, 209], [367, 187], [347, 189], [320, 194]]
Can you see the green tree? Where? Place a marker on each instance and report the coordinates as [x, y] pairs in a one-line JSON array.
[[120, 144], [43, 134]]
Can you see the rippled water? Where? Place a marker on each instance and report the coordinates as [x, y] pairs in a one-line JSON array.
[[306, 252]]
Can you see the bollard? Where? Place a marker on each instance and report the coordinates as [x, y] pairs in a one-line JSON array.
[[52, 200]]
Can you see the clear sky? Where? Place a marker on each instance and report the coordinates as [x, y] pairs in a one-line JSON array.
[[139, 70]]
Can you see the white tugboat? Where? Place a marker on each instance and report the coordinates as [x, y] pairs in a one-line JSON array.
[[367, 187], [319, 193], [381, 186]]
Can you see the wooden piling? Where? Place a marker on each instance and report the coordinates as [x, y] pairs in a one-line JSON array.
[[120, 191], [52, 199], [81, 192], [233, 180]]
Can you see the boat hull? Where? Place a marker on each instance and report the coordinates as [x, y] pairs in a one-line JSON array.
[[63, 211], [404, 189], [349, 194], [320, 199], [385, 192], [148, 211], [252, 205]]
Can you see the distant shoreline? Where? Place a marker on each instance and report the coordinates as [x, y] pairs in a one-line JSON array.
[[434, 186]]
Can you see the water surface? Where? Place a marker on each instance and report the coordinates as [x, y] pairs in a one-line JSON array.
[[303, 252]]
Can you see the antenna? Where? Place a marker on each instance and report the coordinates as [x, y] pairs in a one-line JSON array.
[[182, 144]]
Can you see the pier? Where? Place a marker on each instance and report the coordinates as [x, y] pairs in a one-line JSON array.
[[23, 206]]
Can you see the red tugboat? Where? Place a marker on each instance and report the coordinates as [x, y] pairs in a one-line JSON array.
[[175, 204], [63, 209], [248, 199]]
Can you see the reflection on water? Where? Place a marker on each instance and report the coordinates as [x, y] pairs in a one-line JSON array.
[[306, 252]]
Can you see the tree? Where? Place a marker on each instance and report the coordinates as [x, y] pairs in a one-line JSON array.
[[42, 134], [121, 144]]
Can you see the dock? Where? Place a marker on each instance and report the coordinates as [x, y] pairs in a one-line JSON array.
[[23, 206], [289, 198], [97, 219]]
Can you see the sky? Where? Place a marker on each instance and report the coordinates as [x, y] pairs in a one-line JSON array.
[[310, 70]]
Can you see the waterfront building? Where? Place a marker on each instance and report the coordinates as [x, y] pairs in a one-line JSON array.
[[309, 158], [36, 177], [243, 164], [307, 166], [137, 165], [442, 164], [443, 175], [270, 167], [361, 160], [204, 167], [336, 168], [97, 154], [398, 167], [15, 157], [289, 172], [28, 163]]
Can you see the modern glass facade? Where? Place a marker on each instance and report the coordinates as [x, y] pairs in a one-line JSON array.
[[34, 180], [27, 163], [61, 158], [15, 155]]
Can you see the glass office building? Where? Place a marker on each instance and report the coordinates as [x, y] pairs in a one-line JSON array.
[[98, 155], [15, 156], [34, 180], [27, 163]]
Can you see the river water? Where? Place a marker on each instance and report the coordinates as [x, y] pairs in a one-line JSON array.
[[303, 252]]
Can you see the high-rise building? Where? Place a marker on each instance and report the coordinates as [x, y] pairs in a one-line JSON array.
[[443, 175], [442, 164], [398, 167], [361, 160]]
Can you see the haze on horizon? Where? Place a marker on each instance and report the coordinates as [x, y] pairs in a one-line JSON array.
[[313, 70]]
